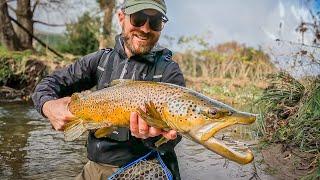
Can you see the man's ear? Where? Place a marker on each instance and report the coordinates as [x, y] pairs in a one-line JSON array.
[[121, 17]]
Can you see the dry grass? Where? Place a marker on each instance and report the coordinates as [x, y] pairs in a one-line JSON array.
[[229, 60]]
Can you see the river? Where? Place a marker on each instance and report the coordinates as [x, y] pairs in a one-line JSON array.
[[31, 149]]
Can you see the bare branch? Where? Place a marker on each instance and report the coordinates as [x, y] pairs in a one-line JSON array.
[[36, 38], [35, 6], [48, 24]]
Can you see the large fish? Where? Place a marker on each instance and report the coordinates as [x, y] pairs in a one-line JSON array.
[[167, 106]]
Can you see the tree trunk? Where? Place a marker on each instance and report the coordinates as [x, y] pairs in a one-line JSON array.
[[8, 37], [107, 6], [24, 17]]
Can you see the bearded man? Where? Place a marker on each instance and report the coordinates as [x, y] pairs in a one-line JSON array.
[[136, 56]]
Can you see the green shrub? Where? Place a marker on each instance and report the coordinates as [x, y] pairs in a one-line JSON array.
[[81, 37]]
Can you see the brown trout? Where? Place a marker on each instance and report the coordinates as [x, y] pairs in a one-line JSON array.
[[167, 106]]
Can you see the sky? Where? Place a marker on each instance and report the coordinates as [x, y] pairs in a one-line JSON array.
[[254, 23]]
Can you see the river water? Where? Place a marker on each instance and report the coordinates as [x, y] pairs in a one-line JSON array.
[[31, 149]]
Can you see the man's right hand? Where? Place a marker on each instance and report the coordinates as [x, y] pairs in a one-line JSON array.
[[57, 112]]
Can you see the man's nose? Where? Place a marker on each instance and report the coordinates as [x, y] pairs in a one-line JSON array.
[[146, 28]]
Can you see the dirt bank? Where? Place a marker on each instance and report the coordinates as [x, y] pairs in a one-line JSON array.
[[289, 163], [18, 77]]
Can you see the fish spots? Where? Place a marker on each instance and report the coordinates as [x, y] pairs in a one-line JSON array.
[[115, 103]]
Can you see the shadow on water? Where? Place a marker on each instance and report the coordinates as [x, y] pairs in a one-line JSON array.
[[30, 149]]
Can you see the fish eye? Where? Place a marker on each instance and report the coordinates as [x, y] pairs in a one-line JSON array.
[[213, 112]]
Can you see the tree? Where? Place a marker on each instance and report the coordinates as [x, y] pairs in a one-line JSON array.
[[107, 7], [25, 18], [21, 13], [8, 36], [20, 38]]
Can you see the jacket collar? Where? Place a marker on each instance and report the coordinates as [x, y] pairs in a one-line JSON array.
[[149, 57]]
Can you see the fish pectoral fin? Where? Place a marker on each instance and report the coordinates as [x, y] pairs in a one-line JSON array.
[[152, 116], [96, 125], [74, 129], [103, 132], [161, 141], [77, 127]]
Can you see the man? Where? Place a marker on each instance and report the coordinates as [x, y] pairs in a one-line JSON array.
[[137, 56]]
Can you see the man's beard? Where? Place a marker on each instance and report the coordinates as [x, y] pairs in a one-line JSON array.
[[141, 49]]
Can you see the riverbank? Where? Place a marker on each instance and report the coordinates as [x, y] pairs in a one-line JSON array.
[[20, 72], [291, 126]]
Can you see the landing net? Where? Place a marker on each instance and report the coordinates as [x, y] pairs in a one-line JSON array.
[[148, 167]]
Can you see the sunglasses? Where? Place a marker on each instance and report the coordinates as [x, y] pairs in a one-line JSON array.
[[156, 22]]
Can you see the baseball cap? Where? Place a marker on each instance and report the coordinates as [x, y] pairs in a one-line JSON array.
[[133, 6]]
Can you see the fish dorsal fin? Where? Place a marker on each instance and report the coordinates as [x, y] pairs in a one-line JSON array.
[[102, 132], [121, 81]]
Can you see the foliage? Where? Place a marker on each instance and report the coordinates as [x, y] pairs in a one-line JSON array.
[[55, 41], [11, 63], [81, 37], [292, 112], [283, 90], [17, 55]]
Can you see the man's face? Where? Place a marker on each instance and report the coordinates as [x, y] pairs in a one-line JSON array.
[[138, 40]]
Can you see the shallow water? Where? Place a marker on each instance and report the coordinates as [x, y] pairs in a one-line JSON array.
[[31, 149]]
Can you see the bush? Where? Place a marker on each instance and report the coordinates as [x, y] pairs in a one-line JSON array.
[[82, 36]]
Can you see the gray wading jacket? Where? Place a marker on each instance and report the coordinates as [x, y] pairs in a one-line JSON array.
[[120, 148]]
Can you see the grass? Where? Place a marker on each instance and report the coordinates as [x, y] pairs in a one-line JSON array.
[[227, 61], [291, 116], [16, 55], [293, 110]]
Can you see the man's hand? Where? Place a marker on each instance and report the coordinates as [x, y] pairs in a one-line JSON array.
[[140, 129], [57, 112]]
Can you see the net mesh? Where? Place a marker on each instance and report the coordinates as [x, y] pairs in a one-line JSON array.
[[142, 170]]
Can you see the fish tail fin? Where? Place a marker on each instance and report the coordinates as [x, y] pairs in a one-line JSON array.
[[74, 129]]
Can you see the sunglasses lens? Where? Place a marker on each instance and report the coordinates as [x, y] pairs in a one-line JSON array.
[[156, 23], [138, 19]]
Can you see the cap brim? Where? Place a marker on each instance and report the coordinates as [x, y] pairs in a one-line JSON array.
[[139, 7]]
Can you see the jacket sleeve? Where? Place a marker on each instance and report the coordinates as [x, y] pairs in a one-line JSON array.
[[173, 75], [78, 76]]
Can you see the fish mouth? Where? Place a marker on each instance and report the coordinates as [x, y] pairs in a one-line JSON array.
[[205, 136]]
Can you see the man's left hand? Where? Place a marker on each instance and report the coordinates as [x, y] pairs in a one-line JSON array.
[[140, 129]]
